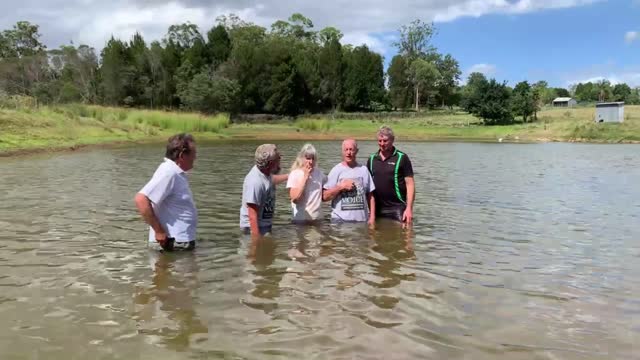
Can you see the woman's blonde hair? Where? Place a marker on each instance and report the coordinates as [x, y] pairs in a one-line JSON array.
[[307, 150]]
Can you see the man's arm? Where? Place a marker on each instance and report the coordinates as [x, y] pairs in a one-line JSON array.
[[280, 178], [407, 173], [372, 208], [253, 220], [330, 194], [411, 195], [146, 211]]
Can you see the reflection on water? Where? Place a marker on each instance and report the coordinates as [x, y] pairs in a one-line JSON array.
[[165, 310], [518, 252]]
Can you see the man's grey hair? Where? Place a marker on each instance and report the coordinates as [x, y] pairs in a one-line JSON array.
[[385, 131], [179, 144], [265, 154]]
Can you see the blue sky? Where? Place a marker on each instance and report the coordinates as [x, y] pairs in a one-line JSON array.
[[560, 41], [561, 46]]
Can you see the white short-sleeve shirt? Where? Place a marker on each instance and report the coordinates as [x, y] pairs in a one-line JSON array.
[[172, 202], [309, 206]]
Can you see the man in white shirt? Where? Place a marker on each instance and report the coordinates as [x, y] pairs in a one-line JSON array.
[[166, 202]]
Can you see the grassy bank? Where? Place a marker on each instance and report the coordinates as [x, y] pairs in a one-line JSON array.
[[30, 129], [79, 125], [553, 125]]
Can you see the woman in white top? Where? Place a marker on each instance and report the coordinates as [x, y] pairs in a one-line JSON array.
[[305, 186]]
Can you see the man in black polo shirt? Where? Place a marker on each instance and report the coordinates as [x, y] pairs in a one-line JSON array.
[[393, 177]]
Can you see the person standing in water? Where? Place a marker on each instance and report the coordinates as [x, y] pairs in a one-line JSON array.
[[305, 186], [259, 191], [392, 174], [350, 188], [166, 202]]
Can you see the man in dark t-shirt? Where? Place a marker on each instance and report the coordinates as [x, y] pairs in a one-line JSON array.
[[392, 174]]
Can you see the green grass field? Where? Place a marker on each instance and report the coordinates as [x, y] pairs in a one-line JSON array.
[[69, 126], [552, 125], [78, 125]]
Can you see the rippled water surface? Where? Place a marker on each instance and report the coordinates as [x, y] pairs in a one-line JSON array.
[[518, 252]]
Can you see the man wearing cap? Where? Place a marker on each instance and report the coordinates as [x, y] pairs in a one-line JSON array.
[[166, 202], [259, 191], [393, 176]]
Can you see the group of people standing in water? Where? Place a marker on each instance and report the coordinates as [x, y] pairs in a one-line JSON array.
[[383, 188]]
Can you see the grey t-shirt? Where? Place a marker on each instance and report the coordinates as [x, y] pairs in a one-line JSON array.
[[258, 189], [350, 205]]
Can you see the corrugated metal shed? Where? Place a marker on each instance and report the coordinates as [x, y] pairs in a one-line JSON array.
[[564, 102], [610, 112]]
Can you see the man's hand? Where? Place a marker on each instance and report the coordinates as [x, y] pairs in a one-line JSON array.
[[161, 237], [146, 211], [347, 184], [407, 217]]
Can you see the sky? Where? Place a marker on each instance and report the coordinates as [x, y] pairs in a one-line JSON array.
[[560, 41]]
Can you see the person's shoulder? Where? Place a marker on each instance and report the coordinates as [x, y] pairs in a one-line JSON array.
[[405, 156], [166, 169], [363, 170], [402, 152], [336, 167], [251, 175], [166, 165]]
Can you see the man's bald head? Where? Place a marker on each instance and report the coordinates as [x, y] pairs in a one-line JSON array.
[[349, 151], [350, 143]]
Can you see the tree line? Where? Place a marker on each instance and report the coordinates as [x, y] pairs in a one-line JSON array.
[[289, 69]]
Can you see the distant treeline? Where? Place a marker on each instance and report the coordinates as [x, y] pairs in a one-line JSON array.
[[289, 69]]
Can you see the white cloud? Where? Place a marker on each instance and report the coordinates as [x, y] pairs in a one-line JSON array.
[[359, 38], [631, 36], [478, 7], [94, 21], [151, 22], [486, 69]]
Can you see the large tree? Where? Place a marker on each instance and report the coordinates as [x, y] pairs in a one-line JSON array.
[[449, 70], [415, 40], [218, 45], [425, 77], [114, 72], [400, 87], [331, 66], [524, 101], [472, 92], [23, 59], [415, 46], [364, 79], [621, 92]]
